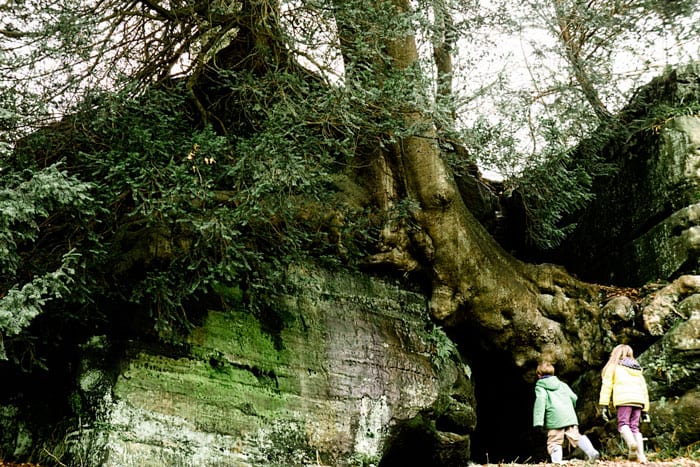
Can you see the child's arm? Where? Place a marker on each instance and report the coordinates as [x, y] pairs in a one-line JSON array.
[[606, 388], [540, 407]]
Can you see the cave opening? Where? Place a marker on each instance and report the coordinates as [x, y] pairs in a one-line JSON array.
[[504, 403], [504, 432], [416, 442]]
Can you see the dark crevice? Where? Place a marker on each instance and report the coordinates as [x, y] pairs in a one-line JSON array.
[[504, 403]]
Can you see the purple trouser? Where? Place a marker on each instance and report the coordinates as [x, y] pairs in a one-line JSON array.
[[628, 415]]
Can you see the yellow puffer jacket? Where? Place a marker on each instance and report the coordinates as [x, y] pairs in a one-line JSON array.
[[626, 385]]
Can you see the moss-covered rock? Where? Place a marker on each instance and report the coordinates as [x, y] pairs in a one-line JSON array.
[[672, 372], [322, 379], [644, 222]]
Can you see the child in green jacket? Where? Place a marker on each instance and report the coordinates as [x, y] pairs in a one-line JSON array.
[[555, 410]]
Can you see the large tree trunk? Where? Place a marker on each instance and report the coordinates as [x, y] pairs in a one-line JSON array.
[[529, 310], [443, 41]]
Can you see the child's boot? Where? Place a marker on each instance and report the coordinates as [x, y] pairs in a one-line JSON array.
[[587, 447], [557, 455], [640, 448], [630, 441]]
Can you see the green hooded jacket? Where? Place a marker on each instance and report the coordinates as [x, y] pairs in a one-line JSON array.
[[555, 404]]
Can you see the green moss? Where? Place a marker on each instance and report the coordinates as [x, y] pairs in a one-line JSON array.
[[231, 335], [232, 294], [190, 389], [233, 368]]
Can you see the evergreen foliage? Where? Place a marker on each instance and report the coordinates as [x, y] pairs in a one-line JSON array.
[[151, 213], [574, 95], [28, 207], [192, 149]]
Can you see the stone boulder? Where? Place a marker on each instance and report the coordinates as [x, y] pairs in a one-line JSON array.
[[342, 368], [672, 370], [644, 224]]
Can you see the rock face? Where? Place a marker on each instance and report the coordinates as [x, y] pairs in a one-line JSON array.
[[644, 224], [644, 229], [672, 370], [341, 369]]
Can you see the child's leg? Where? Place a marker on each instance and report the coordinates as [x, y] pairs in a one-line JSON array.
[[557, 455], [555, 440], [635, 415], [640, 448], [576, 439], [624, 417], [624, 412]]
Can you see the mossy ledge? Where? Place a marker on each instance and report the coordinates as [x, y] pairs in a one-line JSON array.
[[350, 357]]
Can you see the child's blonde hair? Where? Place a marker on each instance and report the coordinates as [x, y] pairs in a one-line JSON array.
[[618, 353], [545, 368]]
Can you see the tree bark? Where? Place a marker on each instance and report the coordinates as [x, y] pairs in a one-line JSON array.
[[574, 33], [443, 44], [530, 310]]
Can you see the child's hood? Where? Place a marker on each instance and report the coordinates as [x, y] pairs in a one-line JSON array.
[[632, 369], [631, 364], [550, 383]]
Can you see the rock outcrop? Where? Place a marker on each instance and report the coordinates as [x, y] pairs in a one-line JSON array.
[[342, 367], [672, 371], [643, 232], [644, 224]]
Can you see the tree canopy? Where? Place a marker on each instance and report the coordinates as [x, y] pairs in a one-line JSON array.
[[153, 154]]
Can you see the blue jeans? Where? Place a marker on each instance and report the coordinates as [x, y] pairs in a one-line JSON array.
[[628, 415]]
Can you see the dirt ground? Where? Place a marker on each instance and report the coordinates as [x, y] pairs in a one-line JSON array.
[[680, 462]]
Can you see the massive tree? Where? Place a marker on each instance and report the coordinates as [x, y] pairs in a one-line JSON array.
[[232, 151], [516, 306]]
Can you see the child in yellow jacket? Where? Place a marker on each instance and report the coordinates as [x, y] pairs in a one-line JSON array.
[[624, 385]]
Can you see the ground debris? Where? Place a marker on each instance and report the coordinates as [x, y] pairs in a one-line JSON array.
[[679, 462], [610, 292]]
